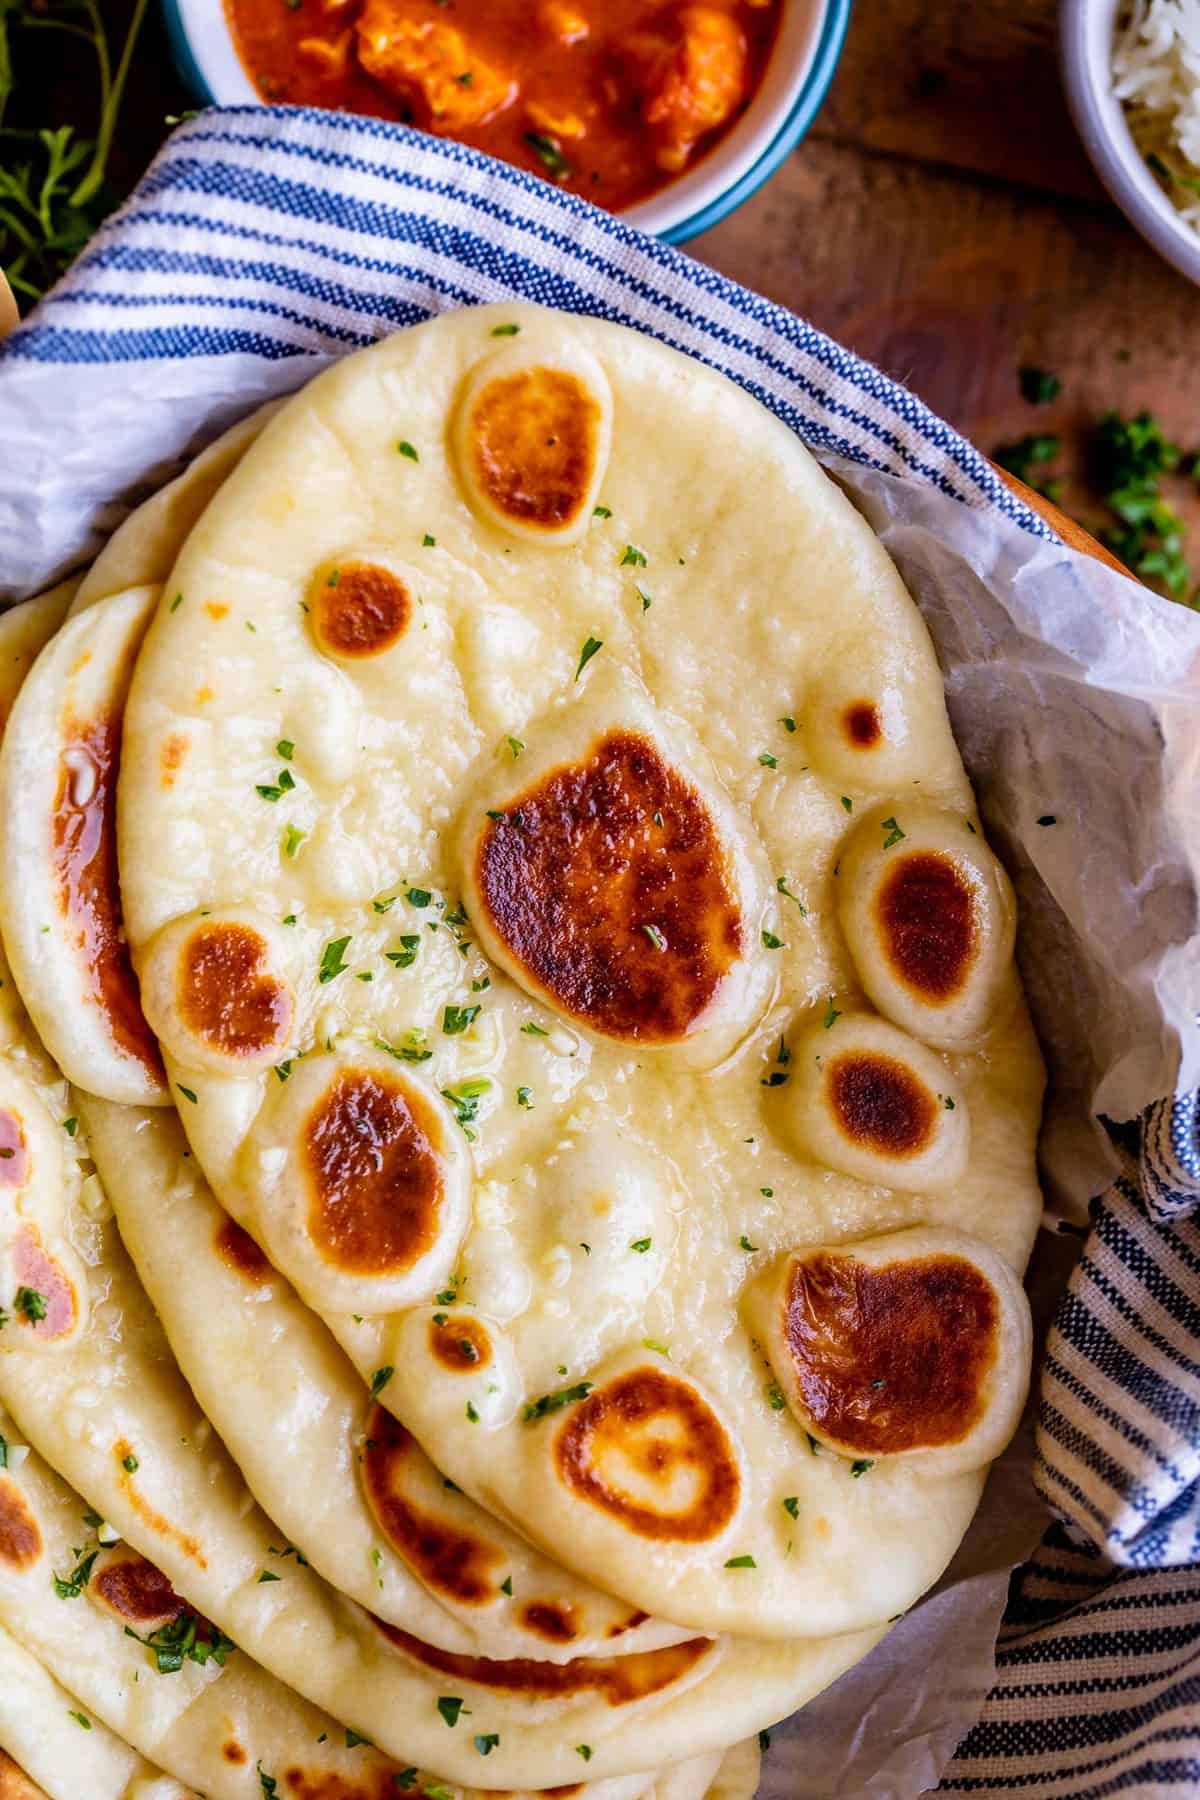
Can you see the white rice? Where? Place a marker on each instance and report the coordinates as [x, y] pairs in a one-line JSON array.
[[1156, 76]]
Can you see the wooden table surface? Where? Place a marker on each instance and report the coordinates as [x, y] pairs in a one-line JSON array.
[[940, 218]]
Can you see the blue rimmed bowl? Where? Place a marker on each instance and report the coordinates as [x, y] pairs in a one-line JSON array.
[[797, 78]]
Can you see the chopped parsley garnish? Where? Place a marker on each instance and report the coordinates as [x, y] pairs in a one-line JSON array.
[[832, 1015], [791, 1506], [411, 1051], [3, 1451], [355, 1738], [525, 1098], [406, 956], [28, 1301], [81, 1719], [428, 542], [771, 942], [781, 887], [333, 959], [847, 803], [188, 1093], [176, 603], [778, 1075], [506, 1586], [767, 760], [656, 937], [645, 598], [380, 1379], [516, 745], [70, 1587], [286, 749], [1048, 819], [602, 512], [813, 1443], [775, 1397], [1038, 386], [788, 723], [382, 906], [529, 1029], [418, 897], [590, 647], [894, 833], [268, 1575], [505, 330], [745, 1244], [764, 1741], [406, 1779], [549, 153], [130, 1465], [464, 1100], [641, 1245], [293, 837], [584, 1750], [486, 1743], [552, 1403], [632, 557], [407, 449], [767, 1193], [654, 1344], [741, 1562], [267, 1783], [335, 575], [948, 1103], [861, 1466], [70, 1126], [450, 1706], [457, 1019], [180, 1641]]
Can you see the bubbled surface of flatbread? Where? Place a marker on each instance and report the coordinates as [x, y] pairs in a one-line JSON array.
[[336, 1473], [422, 654]]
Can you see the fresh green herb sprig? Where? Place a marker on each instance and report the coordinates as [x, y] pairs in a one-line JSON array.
[[54, 190]]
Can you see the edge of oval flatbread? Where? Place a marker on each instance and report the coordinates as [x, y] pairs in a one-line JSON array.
[[60, 904]]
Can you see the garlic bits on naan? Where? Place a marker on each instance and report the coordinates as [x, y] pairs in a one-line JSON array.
[[563, 912]]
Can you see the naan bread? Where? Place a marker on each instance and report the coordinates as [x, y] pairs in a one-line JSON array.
[[47, 1737], [329, 1466], [139, 1661], [531, 613], [147, 1460]]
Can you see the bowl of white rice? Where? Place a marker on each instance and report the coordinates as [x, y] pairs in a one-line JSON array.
[[1132, 74]]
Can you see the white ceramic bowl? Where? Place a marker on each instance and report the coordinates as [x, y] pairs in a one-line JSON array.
[[1085, 49], [811, 34]]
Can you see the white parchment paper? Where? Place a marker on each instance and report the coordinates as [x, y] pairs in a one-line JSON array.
[[1074, 695]]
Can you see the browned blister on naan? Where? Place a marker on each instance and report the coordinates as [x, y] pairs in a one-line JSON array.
[[929, 918], [358, 609], [648, 1449], [216, 988], [908, 1345], [532, 440], [868, 1099]]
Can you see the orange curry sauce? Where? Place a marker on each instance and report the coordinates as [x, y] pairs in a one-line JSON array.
[[610, 98]]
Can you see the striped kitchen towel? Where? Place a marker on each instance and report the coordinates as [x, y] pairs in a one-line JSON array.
[[260, 245]]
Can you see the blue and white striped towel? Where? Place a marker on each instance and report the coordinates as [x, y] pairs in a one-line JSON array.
[[262, 244]]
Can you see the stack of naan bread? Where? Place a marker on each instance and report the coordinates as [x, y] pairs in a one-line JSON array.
[[517, 1116]]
